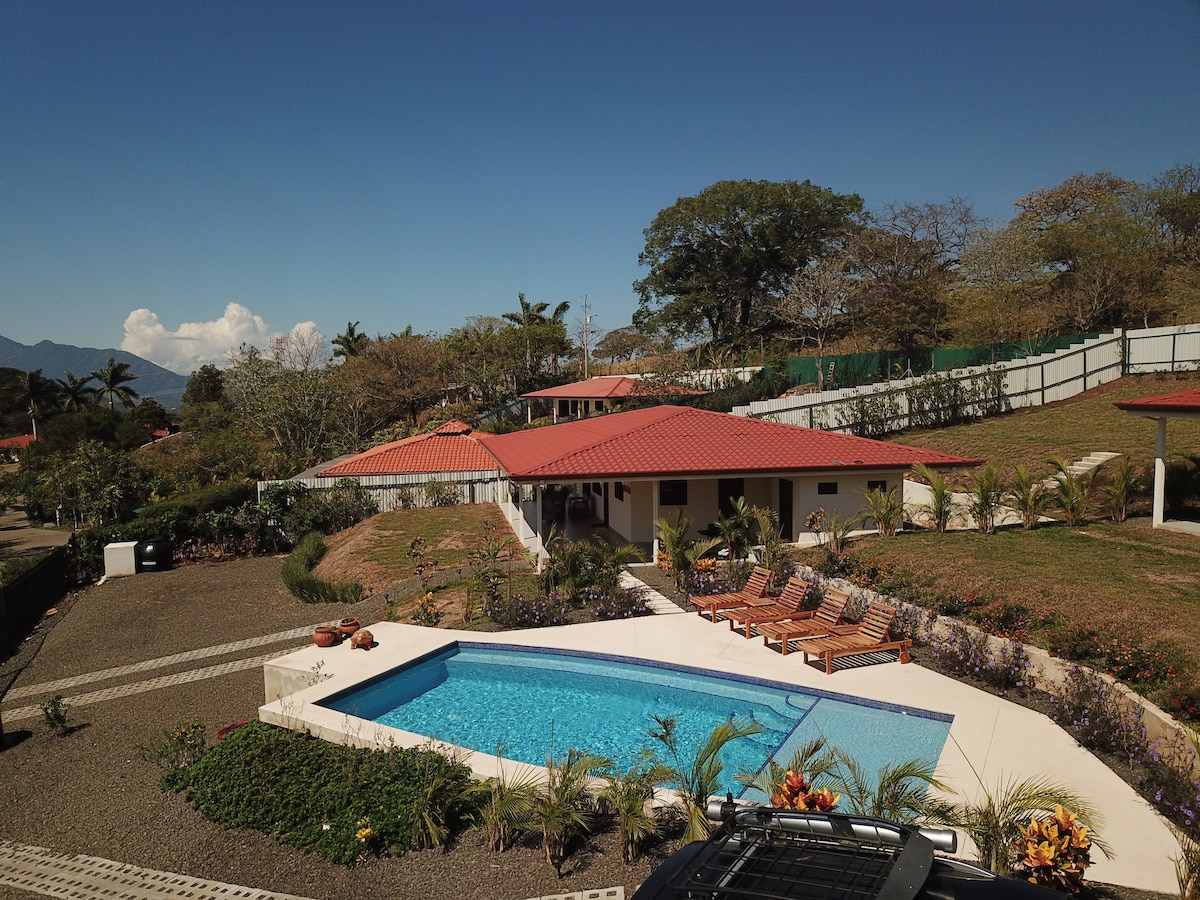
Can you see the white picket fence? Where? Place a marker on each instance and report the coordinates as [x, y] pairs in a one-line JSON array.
[[1030, 381], [406, 491]]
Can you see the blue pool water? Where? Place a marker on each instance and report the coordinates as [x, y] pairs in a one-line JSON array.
[[538, 704]]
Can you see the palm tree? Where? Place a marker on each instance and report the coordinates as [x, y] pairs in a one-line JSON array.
[[698, 777], [629, 795], [114, 379], [350, 342], [1029, 497], [941, 506], [566, 806], [674, 544], [76, 392], [507, 806], [529, 316], [36, 393], [737, 530]]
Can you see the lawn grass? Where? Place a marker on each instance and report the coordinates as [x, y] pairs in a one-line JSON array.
[[1127, 580], [1070, 429]]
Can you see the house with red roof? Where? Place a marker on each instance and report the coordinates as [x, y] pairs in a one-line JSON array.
[[637, 466], [601, 394], [12, 448], [1160, 408]]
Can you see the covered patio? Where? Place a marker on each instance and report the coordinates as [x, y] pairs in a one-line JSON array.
[[1160, 408]]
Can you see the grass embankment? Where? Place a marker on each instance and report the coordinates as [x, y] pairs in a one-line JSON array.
[[1071, 429], [380, 554]]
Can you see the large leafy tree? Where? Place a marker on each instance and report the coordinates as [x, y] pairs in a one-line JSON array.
[[906, 264], [715, 259], [114, 379]]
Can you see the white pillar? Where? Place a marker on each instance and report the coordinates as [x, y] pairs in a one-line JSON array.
[[654, 518], [1160, 471]]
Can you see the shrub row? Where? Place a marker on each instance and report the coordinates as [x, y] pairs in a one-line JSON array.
[[298, 576]]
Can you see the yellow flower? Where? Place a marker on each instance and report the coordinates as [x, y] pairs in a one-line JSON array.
[[1038, 855], [364, 834]]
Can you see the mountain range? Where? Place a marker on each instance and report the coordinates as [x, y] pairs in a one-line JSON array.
[[54, 360]]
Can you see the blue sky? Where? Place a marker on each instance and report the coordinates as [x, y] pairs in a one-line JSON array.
[[233, 169]]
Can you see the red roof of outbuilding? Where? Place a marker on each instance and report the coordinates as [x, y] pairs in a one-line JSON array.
[[452, 447], [1179, 402], [607, 387], [17, 443], [676, 441]]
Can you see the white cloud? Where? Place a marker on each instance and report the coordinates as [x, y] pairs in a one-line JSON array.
[[195, 344]]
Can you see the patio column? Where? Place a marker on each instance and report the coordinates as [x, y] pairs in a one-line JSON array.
[[1160, 470], [653, 519]]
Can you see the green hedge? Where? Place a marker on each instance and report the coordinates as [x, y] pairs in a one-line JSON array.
[[300, 580]]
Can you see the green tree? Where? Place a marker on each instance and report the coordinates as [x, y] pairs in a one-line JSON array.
[[77, 393], [718, 259], [114, 381], [38, 395], [350, 342], [544, 339]]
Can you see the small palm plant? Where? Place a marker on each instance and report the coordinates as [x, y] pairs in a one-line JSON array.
[[698, 777], [1028, 496], [1126, 482], [812, 759], [886, 509], [1072, 492], [897, 793], [942, 507], [681, 551], [630, 797], [737, 530], [773, 552], [837, 533], [983, 501], [507, 806], [566, 807]]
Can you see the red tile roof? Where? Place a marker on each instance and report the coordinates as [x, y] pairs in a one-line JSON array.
[[452, 447], [1179, 402], [675, 441], [608, 387], [17, 443]]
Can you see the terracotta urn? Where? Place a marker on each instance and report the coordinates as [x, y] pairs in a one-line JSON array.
[[362, 638], [348, 625], [326, 636]]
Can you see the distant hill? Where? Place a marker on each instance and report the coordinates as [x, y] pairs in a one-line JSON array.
[[53, 359]]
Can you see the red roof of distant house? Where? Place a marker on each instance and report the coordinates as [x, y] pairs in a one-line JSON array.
[[608, 387], [1179, 402], [451, 447], [17, 443], [676, 441]]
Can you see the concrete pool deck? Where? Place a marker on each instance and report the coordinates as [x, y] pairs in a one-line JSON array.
[[991, 740]]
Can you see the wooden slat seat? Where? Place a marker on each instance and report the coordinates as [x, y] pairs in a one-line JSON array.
[[822, 622], [872, 634], [753, 594], [789, 605]]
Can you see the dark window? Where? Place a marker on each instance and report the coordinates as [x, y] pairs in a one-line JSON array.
[[587, 487], [880, 486], [672, 493], [619, 491], [596, 489], [826, 487]]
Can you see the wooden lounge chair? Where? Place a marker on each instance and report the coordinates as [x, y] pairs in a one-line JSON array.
[[789, 605], [753, 594], [871, 635], [823, 621]]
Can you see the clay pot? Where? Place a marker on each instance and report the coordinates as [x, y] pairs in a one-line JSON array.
[[348, 625], [362, 638], [326, 636]]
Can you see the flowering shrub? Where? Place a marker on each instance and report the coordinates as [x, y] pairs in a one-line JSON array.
[[1004, 619], [1169, 771], [1094, 712], [624, 603], [815, 520], [517, 611], [1136, 664], [1057, 850], [1183, 701], [967, 652], [794, 792], [427, 612], [1079, 644]]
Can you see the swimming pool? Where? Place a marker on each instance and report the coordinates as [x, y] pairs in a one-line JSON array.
[[537, 703]]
